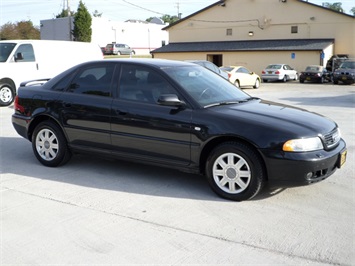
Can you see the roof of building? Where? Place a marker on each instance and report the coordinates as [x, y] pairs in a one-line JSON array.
[[257, 45], [222, 2]]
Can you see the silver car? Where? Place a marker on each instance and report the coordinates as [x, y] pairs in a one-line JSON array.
[[118, 49], [276, 72]]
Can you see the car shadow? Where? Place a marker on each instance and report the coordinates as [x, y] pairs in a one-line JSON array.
[[17, 158]]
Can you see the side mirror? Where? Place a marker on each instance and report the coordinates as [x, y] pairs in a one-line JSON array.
[[19, 56], [170, 100]]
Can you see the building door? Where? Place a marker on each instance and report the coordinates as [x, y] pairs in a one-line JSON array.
[[216, 59]]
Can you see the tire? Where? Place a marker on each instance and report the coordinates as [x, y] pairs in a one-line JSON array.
[[301, 80], [225, 165], [256, 84], [335, 81], [264, 80], [284, 79], [7, 94], [49, 145], [236, 83]]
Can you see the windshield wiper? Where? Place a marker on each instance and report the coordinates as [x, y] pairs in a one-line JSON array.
[[222, 103], [231, 102]]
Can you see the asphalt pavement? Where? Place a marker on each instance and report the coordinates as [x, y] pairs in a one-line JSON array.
[[93, 211]]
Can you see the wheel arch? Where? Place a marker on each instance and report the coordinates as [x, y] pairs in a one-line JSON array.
[[39, 119], [10, 82], [207, 149]]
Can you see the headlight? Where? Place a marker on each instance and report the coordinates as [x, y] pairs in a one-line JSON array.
[[301, 145]]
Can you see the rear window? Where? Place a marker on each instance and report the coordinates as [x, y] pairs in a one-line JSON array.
[[273, 67]]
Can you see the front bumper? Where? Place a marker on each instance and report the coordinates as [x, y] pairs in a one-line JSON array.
[[344, 78], [303, 168]]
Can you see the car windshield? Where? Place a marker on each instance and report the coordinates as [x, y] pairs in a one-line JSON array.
[[273, 67], [349, 65], [5, 50], [206, 87]]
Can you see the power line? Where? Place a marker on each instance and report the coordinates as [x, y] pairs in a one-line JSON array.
[[143, 8]]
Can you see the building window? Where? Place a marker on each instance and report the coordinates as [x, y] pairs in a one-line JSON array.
[[229, 32], [294, 29]]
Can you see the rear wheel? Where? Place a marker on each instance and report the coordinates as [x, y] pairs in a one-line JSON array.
[[7, 94], [284, 79], [235, 171], [49, 144]]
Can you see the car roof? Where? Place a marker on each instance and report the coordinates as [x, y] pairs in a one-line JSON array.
[[161, 63]]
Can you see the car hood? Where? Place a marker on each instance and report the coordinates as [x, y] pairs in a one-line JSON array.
[[261, 120]]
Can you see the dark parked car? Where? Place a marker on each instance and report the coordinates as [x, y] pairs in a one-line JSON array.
[[315, 73], [345, 73], [177, 115]]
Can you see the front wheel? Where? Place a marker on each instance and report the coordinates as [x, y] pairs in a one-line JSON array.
[[235, 171], [236, 83], [49, 144], [256, 84], [7, 94]]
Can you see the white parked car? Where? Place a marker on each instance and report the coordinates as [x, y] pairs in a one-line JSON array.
[[242, 77], [279, 72]]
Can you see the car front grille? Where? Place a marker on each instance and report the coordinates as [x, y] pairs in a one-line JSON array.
[[332, 138]]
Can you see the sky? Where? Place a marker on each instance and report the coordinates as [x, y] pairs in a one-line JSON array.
[[116, 10]]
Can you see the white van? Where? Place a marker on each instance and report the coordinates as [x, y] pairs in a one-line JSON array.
[[23, 60]]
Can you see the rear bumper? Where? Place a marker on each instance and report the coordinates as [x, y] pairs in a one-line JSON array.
[[21, 124], [272, 77], [302, 168]]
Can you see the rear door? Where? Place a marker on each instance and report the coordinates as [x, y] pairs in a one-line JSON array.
[[86, 107], [143, 129]]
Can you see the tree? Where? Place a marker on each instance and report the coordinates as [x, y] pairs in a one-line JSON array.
[[96, 14], [22, 30], [166, 18], [65, 13], [353, 11], [335, 6], [82, 24]]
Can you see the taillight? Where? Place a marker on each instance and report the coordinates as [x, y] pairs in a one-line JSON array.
[[17, 106], [263, 72], [277, 72]]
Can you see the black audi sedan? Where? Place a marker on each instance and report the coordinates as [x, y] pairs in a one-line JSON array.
[[178, 115]]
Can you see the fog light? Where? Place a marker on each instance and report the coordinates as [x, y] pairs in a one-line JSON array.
[[309, 175]]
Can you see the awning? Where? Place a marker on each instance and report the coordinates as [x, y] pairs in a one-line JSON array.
[[258, 45]]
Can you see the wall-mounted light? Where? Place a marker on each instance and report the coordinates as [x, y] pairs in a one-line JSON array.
[[251, 33]]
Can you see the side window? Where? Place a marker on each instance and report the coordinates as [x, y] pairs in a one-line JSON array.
[[25, 53], [95, 80], [142, 84]]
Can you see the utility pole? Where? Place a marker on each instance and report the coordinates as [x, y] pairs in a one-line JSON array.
[[69, 19], [178, 10]]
